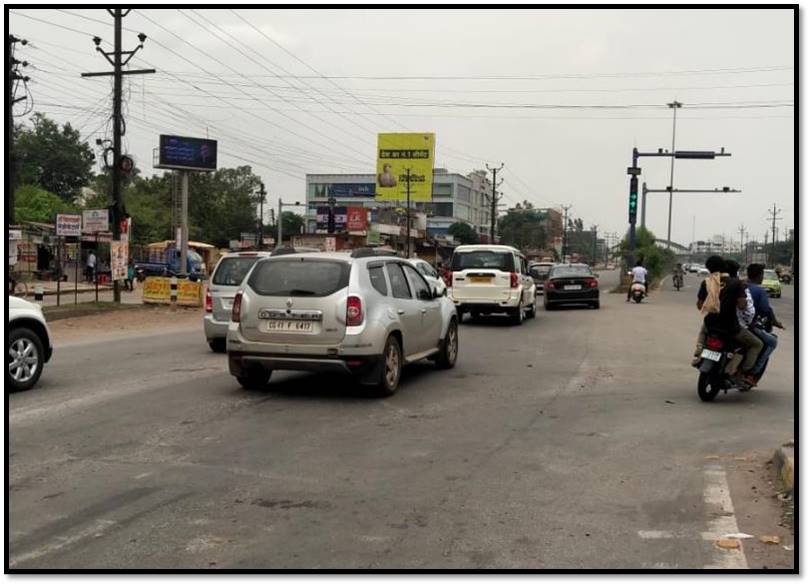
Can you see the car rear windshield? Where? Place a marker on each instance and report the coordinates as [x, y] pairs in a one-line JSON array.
[[492, 259], [298, 277], [770, 275], [564, 271], [232, 271]]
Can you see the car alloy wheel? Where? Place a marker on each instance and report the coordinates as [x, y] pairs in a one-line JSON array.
[[392, 365], [23, 359]]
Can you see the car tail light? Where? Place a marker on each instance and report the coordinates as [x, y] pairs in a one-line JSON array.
[[549, 284], [236, 311], [714, 343], [354, 311], [592, 283], [513, 279], [209, 304]]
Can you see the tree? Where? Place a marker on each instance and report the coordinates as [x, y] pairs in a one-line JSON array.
[[33, 203], [523, 227], [463, 233], [658, 261], [291, 224], [55, 159]]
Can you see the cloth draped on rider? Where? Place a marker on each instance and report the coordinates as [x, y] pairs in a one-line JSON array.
[[714, 285]]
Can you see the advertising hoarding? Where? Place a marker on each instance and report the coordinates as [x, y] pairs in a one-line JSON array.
[[356, 219], [187, 153], [322, 214], [400, 155], [119, 256], [68, 224]]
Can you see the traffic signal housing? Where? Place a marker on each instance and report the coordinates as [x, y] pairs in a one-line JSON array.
[[633, 203]]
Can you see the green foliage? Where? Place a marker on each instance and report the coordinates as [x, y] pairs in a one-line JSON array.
[[55, 159], [291, 224], [463, 233], [658, 261], [33, 203], [523, 227]]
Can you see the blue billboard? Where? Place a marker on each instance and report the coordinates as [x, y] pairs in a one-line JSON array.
[[345, 190], [185, 153]]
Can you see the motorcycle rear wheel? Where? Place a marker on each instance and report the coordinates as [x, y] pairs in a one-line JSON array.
[[708, 386]]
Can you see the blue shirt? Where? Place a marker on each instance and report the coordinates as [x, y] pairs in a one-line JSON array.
[[762, 305]]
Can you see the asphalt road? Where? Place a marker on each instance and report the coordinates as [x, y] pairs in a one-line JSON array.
[[574, 441]]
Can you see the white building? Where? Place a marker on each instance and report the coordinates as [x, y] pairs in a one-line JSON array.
[[456, 198], [716, 245]]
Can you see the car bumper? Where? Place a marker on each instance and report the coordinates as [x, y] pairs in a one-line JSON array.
[[214, 329], [487, 305], [576, 296], [359, 365]]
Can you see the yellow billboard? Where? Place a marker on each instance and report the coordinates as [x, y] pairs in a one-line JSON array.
[[405, 160], [157, 289]]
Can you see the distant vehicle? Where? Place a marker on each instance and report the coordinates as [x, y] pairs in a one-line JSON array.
[[703, 272], [195, 265], [361, 313], [430, 273], [490, 279], [539, 272], [770, 282], [28, 343], [571, 284], [228, 275]]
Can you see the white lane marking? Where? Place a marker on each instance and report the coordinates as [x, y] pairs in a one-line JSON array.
[[717, 498], [60, 542], [655, 534]]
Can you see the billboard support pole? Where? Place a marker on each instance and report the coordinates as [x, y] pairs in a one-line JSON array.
[[408, 218], [278, 221], [183, 222], [58, 268]]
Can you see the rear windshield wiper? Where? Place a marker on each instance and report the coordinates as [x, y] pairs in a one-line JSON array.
[[301, 292]]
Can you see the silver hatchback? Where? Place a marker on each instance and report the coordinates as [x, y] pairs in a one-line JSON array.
[[358, 313]]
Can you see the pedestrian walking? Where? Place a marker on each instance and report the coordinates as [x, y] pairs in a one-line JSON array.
[[90, 267], [130, 275]]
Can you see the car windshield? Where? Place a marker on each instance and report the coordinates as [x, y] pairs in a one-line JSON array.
[[570, 270], [770, 275], [232, 271], [297, 277], [492, 259]]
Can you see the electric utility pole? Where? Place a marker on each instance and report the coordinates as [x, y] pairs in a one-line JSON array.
[[493, 201], [773, 213], [13, 78], [260, 225], [675, 105], [594, 228], [116, 59], [742, 234], [565, 209]]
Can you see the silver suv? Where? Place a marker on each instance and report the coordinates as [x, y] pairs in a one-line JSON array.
[[228, 274], [359, 313]]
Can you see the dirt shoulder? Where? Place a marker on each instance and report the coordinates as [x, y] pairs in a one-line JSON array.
[[104, 321]]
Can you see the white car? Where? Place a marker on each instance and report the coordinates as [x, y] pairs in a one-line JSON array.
[[703, 271], [430, 274], [492, 279], [28, 342]]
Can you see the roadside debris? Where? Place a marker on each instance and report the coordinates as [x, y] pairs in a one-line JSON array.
[[769, 539], [728, 543]]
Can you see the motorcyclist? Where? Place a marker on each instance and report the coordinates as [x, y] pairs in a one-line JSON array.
[[764, 319], [639, 277], [677, 274]]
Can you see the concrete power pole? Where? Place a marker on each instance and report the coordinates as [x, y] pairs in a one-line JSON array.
[[742, 234], [262, 197], [493, 200], [773, 213], [674, 105], [12, 76], [115, 58], [565, 209]]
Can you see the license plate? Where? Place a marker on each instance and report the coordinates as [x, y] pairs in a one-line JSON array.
[[572, 287], [711, 355], [481, 279], [290, 326]]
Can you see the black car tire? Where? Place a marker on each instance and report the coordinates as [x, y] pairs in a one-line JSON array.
[[517, 316], [708, 386], [547, 306], [533, 309], [254, 379], [217, 345], [448, 353], [26, 336], [595, 304]]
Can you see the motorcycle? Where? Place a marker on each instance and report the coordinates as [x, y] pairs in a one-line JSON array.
[[720, 359], [638, 291], [677, 281]]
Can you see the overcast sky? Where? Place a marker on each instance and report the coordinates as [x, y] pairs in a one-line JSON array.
[[250, 95]]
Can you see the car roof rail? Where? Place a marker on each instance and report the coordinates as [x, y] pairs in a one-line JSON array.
[[280, 251], [371, 252]]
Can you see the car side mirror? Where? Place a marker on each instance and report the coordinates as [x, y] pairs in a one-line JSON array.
[[437, 294]]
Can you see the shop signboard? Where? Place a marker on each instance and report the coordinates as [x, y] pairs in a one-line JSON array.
[[405, 164], [95, 220], [322, 221], [356, 219], [68, 224]]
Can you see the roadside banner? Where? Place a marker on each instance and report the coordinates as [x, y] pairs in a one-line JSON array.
[[157, 289], [119, 251], [399, 156], [68, 224], [95, 220]]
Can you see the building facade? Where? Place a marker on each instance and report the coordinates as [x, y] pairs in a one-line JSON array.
[[456, 198], [717, 245]]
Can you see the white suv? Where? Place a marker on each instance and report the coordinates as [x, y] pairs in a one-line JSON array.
[[360, 313], [492, 279], [28, 342]]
